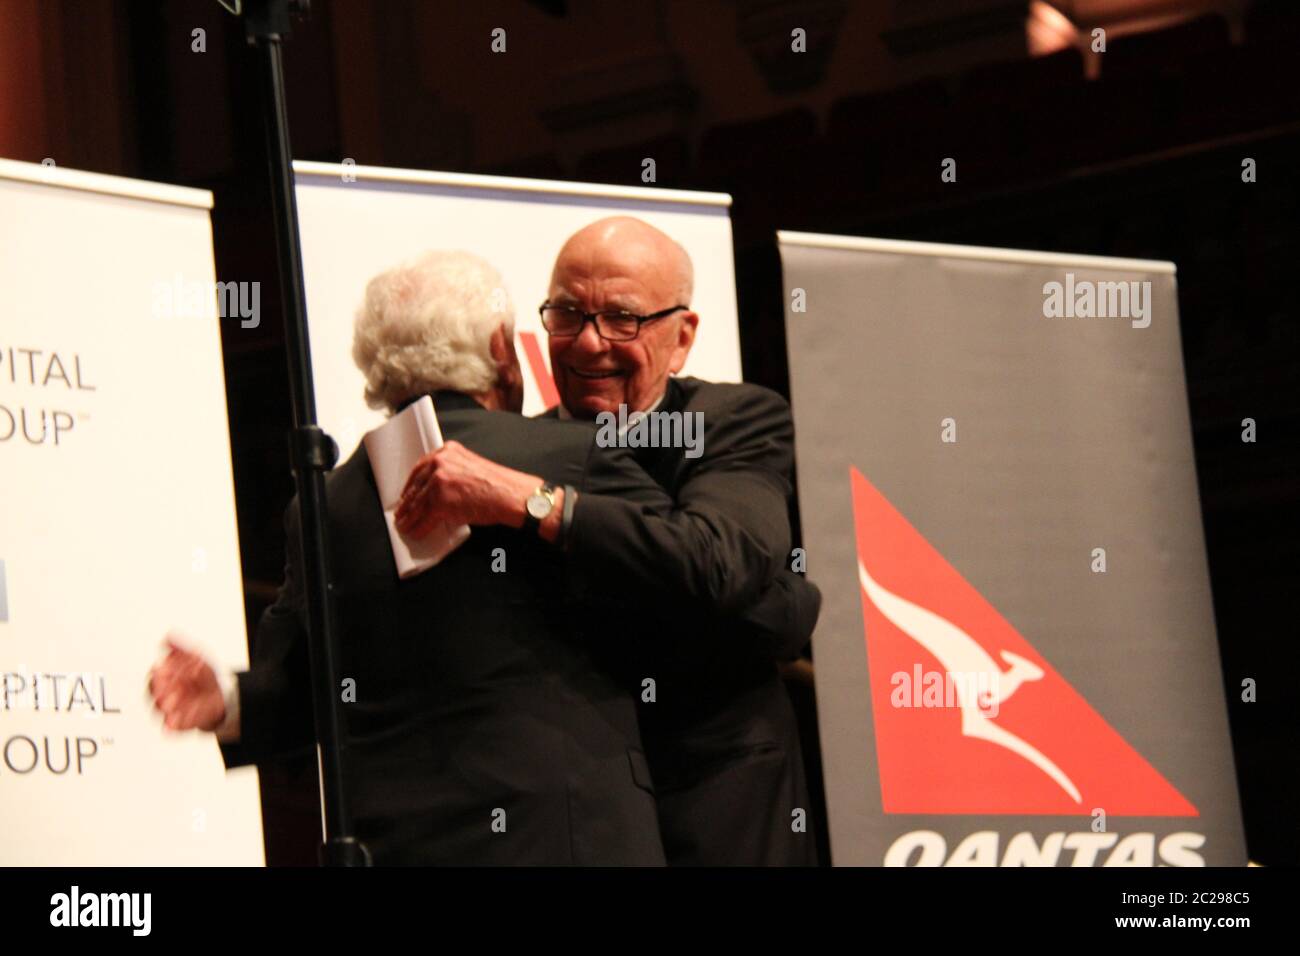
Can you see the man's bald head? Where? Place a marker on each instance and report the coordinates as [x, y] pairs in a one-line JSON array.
[[636, 241], [621, 264]]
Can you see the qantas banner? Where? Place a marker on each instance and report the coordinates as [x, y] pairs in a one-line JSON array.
[[1016, 659]]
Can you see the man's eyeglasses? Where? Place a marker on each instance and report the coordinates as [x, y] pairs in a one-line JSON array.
[[613, 325]]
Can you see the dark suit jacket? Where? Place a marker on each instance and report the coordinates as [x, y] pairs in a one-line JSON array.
[[721, 734], [476, 691]]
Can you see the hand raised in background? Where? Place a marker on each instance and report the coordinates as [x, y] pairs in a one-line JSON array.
[[185, 690]]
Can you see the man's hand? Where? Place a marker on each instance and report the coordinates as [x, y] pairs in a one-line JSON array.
[[454, 486], [185, 690]]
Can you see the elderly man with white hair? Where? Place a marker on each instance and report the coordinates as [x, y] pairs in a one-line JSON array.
[[494, 719], [487, 726]]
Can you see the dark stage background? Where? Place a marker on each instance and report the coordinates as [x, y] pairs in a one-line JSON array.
[[1134, 152]]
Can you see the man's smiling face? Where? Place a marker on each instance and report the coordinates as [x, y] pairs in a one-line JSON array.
[[619, 264]]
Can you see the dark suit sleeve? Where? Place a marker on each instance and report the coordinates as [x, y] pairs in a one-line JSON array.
[[785, 614], [729, 533], [275, 703]]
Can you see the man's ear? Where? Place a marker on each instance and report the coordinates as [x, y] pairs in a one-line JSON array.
[[685, 339], [502, 348]]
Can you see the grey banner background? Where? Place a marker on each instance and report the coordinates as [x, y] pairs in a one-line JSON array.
[[1073, 433]]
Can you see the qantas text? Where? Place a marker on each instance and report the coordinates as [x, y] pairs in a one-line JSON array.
[[1085, 848]]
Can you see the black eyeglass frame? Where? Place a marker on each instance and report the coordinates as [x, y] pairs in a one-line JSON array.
[[592, 317]]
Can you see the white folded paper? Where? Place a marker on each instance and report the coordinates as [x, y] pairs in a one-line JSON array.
[[394, 449]]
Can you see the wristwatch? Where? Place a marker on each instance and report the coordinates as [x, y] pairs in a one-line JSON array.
[[537, 506]]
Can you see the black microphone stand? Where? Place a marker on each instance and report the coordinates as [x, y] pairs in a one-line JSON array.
[[312, 452]]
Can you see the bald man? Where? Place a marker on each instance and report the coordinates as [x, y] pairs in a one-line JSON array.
[[716, 722]]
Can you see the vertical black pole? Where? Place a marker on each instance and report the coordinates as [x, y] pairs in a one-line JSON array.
[[313, 452]]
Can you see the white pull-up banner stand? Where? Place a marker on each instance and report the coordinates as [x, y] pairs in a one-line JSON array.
[[117, 524], [357, 221], [1016, 657]]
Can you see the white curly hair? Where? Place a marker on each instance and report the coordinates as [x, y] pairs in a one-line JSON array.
[[426, 325]]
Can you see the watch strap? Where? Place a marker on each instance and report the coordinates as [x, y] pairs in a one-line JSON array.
[[566, 514]]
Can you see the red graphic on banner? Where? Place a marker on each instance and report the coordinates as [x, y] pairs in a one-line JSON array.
[[981, 723], [541, 374]]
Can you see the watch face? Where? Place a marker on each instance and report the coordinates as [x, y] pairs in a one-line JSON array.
[[538, 505]]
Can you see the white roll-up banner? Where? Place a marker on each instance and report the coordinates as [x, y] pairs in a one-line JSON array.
[[117, 524], [1016, 660], [357, 221]]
